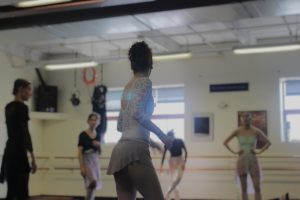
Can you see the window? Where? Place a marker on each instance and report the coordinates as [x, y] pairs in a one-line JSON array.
[[290, 90], [168, 112]]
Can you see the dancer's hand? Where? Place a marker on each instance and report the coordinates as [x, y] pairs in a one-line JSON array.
[[168, 141], [156, 145], [161, 170], [96, 143], [82, 171], [254, 152], [240, 152], [33, 166]]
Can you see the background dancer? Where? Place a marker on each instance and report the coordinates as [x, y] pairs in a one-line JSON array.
[[247, 163]]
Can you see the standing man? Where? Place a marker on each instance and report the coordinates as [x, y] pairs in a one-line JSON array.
[[15, 167]]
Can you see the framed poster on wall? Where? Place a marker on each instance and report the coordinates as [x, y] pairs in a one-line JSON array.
[[259, 120], [203, 126]]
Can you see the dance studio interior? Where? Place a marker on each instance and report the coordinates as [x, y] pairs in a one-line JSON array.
[[220, 70]]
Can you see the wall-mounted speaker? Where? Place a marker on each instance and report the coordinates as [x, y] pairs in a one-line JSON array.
[[46, 98]]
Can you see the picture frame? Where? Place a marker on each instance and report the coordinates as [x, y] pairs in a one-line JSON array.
[[259, 120], [202, 126]]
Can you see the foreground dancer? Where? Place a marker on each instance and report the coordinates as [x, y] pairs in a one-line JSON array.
[[130, 161], [176, 164], [88, 153], [247, 163], [15, 167]]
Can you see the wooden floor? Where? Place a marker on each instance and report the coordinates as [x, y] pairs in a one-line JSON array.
[[66, 198], [77, 198], [103, 198], [73, 198]]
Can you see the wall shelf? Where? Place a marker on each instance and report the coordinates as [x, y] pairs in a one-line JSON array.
[[48, 116]]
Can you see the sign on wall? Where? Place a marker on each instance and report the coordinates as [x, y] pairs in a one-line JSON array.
[[230, 87]]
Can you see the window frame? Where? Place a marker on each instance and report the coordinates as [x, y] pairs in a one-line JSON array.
[[285, 137]]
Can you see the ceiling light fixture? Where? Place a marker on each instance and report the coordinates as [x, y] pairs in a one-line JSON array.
[[70, 65], [267, 49], [172, 56], [34, 3]]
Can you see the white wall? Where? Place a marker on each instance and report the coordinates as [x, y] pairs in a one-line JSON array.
[[261, 71], [7, 77]]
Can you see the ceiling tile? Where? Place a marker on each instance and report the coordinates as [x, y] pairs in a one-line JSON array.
[[271, 32], [186, 40], [176, 30], [92, 49], [226, 36], [25, 35], [117, 25], [262, 21], [209, 27]]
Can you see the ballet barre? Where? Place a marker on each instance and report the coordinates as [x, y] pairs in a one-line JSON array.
[[230, 167]]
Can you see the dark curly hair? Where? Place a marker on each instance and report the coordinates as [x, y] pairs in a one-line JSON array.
[[140, 56], [19, 83]]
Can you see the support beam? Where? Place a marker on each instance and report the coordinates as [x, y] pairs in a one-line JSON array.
[[30, 17]]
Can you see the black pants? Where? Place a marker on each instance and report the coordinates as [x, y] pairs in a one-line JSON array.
[[17, 185], [17, 178]]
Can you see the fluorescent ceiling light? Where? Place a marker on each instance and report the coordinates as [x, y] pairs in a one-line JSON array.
[[267, 49], [33, 3], [71, 65], [172, 56]]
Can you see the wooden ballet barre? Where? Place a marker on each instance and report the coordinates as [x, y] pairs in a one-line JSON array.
[[75, 157], [74, 168], [232, 169], [204, 169], [66, 157], [161, 116], [281, 168], [201, 157], [67, 168], [190, 157], [294, 156], [232, 157], [43, 157], [43, 169]]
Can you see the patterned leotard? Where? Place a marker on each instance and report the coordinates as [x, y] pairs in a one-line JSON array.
[[247, 161]]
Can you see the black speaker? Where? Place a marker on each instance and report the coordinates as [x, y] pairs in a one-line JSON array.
[[46, 98]]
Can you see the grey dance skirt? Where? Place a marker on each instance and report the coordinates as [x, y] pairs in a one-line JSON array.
[[92, 169], [127, 151]]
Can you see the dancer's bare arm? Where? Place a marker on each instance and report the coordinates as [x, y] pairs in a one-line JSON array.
[[262, 136], [80, 159], [185, 152], [143, 91], [227, 140]]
